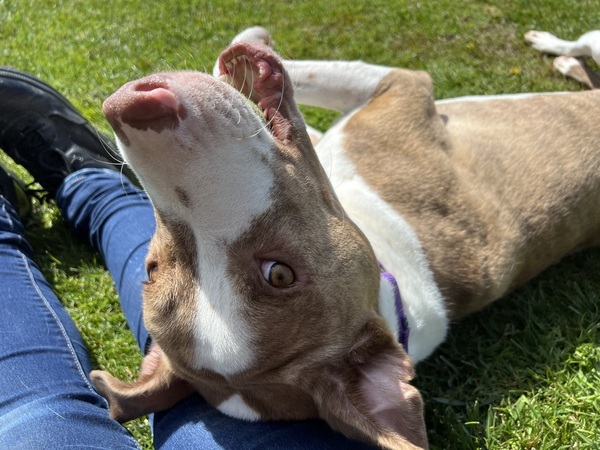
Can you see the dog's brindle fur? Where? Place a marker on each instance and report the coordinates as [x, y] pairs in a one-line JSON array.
[[495, 190]]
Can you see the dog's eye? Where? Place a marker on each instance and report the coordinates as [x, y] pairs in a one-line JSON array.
[[152, 272], [278, 274]]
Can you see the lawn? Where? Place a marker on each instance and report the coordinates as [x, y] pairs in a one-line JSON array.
[[524, 374]]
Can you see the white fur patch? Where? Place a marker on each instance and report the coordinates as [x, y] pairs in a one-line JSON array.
[[387, 305], [235, 406], [396, 245], [221, 333]]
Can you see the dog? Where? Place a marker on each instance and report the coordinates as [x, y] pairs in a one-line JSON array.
[[292, 281], [588, 45]]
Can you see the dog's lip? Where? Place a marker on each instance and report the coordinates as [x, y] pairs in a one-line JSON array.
[[147, 103]]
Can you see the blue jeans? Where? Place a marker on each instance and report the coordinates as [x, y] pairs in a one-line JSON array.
[[46, 398]]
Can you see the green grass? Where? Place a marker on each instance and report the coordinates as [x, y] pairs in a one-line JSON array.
[[523, 374]]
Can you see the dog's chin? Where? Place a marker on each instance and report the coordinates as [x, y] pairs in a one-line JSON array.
[[364, 392]]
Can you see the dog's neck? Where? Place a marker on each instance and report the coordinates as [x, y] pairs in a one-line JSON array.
[[390, 301], [398, 249], [395, 244], [418, 341]]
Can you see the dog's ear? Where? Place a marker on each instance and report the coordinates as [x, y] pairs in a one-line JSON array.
[[368, 397], [156, 389]]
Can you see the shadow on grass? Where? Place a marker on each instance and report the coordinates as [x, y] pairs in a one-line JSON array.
[[523, 345]]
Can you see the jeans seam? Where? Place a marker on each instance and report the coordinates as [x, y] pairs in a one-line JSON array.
[[65, 336], [48, 306], [63, 332]]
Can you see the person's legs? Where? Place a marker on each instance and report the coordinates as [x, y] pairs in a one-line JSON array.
[[41, 130], [117, 219], [192, 423], [46, 399]]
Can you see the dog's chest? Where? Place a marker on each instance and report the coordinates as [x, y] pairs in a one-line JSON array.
[[394, 241]]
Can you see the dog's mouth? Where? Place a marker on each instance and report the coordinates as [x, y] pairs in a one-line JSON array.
[[255, 71]]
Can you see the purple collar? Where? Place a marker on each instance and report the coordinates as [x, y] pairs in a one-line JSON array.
[[403, 329]]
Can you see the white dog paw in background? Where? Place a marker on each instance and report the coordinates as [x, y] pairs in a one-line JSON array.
[[587, 46]]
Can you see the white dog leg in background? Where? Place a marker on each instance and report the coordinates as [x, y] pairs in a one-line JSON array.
[[588, 45]]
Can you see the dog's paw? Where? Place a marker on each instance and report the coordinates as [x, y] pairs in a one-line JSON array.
[[567, 64], [544, 42], [577, 70]]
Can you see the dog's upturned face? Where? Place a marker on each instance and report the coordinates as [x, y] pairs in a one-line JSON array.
[[261, 293]]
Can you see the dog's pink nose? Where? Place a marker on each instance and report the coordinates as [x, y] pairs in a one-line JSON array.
[[144, 104], [158, 90]]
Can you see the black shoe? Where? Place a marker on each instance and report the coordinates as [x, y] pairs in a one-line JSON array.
[[41, 130], [15, 191]]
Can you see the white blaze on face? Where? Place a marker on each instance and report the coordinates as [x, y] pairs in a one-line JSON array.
[[211, 172], [221, 332]]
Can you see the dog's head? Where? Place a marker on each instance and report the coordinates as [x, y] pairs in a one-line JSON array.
[[261, 293]]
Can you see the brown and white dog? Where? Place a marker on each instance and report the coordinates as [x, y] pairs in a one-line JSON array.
[[587, 46], [265, 290]]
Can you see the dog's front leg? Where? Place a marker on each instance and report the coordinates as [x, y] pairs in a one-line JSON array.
[[339, 85], [587, 45]]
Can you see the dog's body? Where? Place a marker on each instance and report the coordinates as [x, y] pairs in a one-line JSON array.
[[264, 290], [567, 63]]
